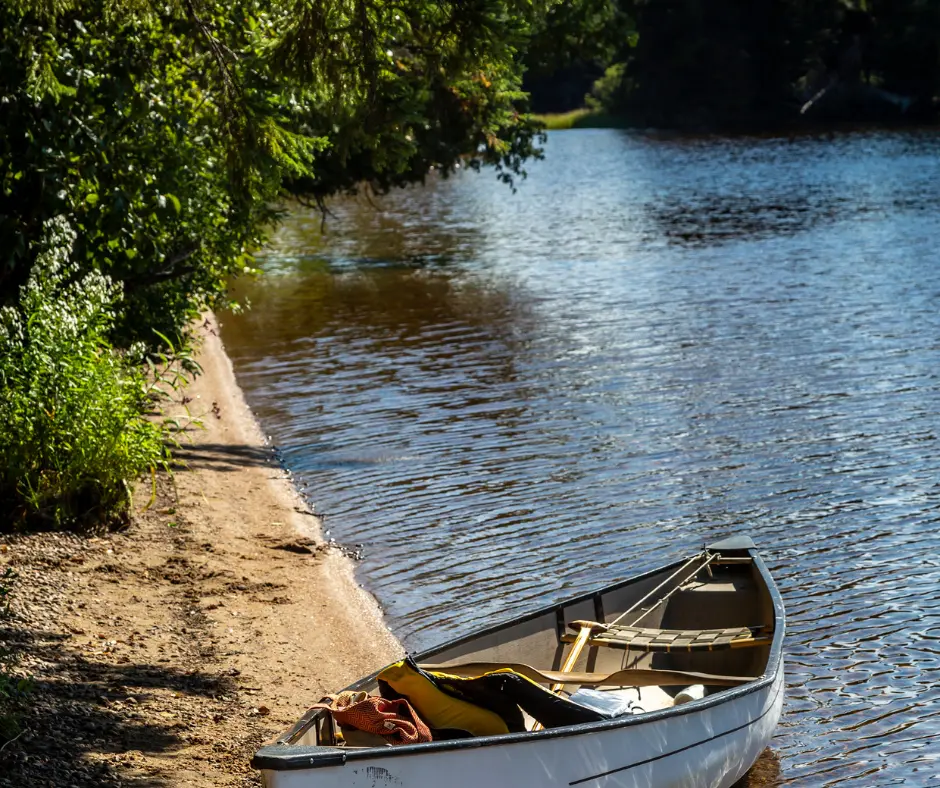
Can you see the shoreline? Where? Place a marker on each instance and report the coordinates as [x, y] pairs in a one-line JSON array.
[[167, 653], [345, 597]]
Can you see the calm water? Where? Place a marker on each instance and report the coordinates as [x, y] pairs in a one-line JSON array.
[[657, 341]]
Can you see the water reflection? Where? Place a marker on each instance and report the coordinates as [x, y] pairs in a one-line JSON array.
[[371, 228], [765, 772], [655, 342]]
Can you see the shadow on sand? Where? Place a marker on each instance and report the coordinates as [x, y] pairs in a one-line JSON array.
[[82, 712]]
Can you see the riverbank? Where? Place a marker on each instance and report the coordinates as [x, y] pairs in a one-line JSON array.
[[164, 655], [583, 118]]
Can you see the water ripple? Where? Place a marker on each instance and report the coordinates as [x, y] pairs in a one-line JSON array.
[[657, 341]]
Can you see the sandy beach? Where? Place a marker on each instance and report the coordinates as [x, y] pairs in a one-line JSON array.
[[164, 654]]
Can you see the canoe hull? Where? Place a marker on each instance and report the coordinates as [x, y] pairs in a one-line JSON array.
[[708, 743], [701, 748]]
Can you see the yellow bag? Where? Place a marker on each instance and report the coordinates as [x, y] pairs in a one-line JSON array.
[[437, 708]]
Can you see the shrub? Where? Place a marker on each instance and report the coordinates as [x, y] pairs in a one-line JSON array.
[[607, 93], [72, 427]]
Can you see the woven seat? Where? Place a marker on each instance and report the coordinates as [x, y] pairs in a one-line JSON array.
[[639, 639]]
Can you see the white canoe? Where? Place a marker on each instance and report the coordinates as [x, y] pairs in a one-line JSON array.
[[717, 613]]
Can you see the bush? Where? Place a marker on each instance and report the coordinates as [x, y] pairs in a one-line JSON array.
[[72, 427], [607, 93]]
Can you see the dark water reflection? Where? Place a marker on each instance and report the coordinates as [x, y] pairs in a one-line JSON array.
[[655, 342]]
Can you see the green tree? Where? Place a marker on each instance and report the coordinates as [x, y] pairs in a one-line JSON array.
[[720, 63], [729, 64], [571, 46], [168, 133]]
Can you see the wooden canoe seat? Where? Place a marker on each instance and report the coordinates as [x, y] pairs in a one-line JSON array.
[[640, 639]]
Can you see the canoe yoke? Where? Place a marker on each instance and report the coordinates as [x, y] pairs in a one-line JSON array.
[[669, 640]]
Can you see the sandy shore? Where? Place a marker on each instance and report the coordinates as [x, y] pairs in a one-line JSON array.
[[165, 654]]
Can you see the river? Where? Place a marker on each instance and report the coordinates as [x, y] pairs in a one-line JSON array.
[[656, 341]]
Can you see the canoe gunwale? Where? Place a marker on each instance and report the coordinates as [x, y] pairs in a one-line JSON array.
[[284, 756], [731, 731]]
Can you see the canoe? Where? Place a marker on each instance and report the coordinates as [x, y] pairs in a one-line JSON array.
[[692, 652]]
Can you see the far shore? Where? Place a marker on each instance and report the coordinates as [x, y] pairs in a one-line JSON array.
[[165, 654], [583, 118], [586, 118]]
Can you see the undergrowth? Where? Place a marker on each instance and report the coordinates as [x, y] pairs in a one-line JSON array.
[[74, 431]]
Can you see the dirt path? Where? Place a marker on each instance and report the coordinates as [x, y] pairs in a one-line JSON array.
[[165, 654]]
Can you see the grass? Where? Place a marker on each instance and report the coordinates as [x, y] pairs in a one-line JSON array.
[[583, 118]]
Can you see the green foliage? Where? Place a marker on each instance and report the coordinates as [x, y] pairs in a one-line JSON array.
[[716, 63], [109, 121], [561, 121], [724, 63], [72, 429], [607, 93], [166, 133], [437, 87], [583, 118], [578, 32], [14, 690], [570, 48]]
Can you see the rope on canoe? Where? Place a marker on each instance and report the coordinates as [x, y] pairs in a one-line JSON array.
[[679, 585], [662, 585]]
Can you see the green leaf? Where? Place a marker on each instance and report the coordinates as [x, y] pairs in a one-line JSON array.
[[174, 201]]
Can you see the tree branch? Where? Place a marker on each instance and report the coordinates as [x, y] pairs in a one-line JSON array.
[[168, 273]]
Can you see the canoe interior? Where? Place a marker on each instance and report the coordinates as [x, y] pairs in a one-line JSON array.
[[730, 592]]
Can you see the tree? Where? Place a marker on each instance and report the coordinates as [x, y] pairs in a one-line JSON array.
[[570, 48], [728, 64], [719, 63], [167, 133], [905, 48]]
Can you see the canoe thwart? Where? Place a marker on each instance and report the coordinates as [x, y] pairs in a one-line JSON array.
[[634, 677], [642, 639], [608, 724]]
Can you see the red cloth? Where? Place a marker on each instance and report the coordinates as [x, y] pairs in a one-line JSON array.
[[395, 720]]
